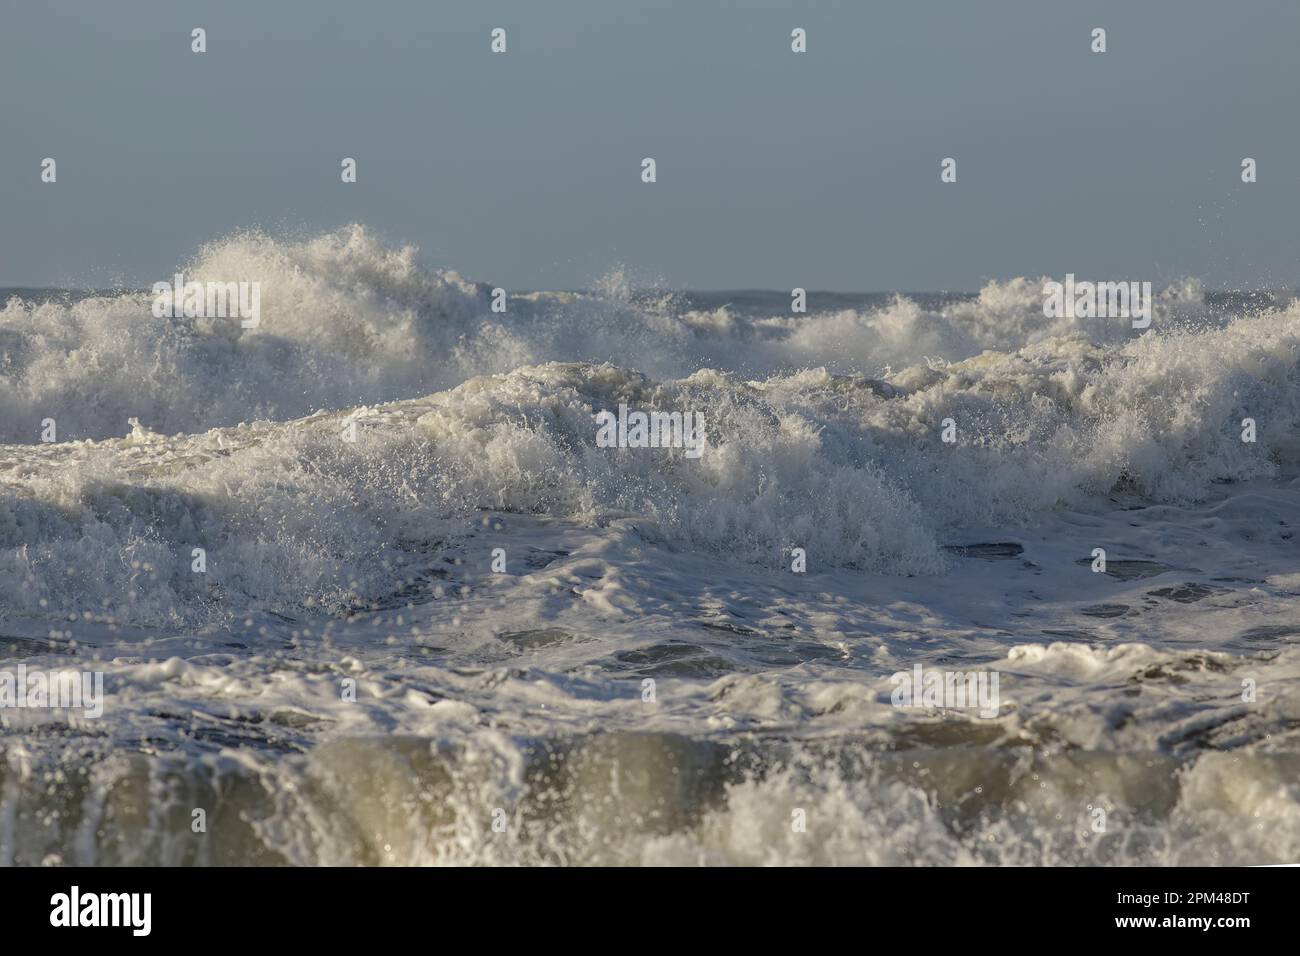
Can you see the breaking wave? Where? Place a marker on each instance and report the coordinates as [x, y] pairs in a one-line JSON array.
[[369, 558]]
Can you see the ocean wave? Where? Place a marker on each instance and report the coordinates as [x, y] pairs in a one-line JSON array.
[[854, 470], [657, 799], [292, 516], [348, 320]]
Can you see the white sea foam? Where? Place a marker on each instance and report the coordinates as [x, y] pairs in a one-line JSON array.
[[370, 560]]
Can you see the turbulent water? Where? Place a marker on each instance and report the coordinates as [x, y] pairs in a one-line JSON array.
[[350, 681]]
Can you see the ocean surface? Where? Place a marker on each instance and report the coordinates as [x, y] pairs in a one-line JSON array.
[[642, 678]]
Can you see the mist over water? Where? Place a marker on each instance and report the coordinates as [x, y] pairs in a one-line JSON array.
[[370, 561]]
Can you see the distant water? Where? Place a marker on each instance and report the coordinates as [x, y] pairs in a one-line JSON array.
[[349, 679]]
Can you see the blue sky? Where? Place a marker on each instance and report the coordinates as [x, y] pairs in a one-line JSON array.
[[775, 169]]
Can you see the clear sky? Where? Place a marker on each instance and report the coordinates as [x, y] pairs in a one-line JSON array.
[[775, 169]]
